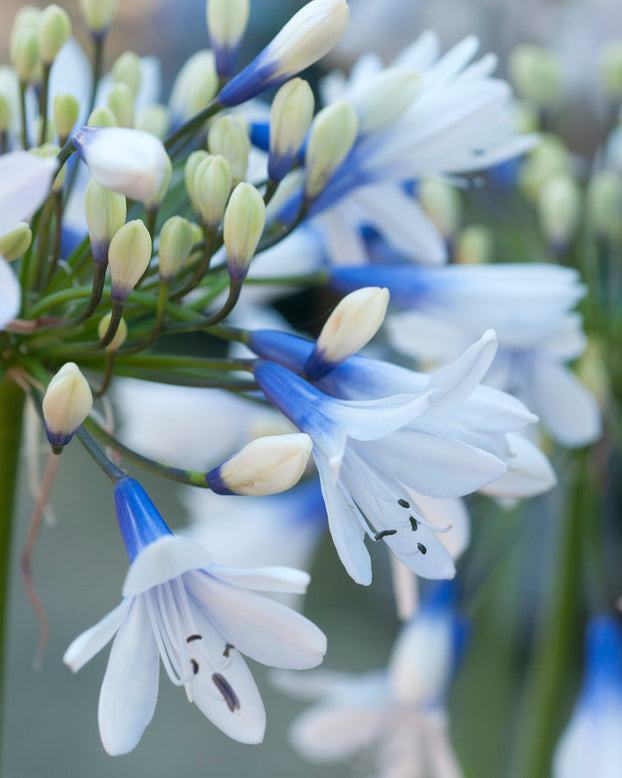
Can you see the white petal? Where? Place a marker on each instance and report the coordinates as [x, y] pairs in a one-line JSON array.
[[333, 732], [425, 337], [313, 684], [370, 419], [264, 579], [130, 687], [25, 181], [163, 560], [91, 642], [262, 629], [529, 471], [344, 243], [246, 723], [567, 409], [10, 294], [447, 513]]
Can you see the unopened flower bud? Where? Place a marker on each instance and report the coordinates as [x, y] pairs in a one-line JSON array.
[[66, 404], [559, 209], [243, 224], [265, 466], [351, 325], [190, 169], [25, 55], [226, 23], [287, 197], [611, 69], [126, 70], [442, 204], [121, 103], [308, 36], [194, 87], [290, 119], [54, 32], [65, 109], [154, 119], [128, 258], [128, 161], [176, 242], [474, 245], [604, 205], [197, 233], [549, 158], [102, 117], [98, 15], [212, 186], [537, 75], [332, 135], [16, 242], [383, 98], [119, 336], [50, 151], [105, 215], [5, 113], [153, 203], [229, 136]]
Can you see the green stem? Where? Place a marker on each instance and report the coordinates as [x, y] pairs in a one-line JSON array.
[[192, 125], [43, 103], [11, 408]]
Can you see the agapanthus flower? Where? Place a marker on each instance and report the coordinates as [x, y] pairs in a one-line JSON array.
[[530, 308], [197, 618], [591, 743], [369, 452], [393, 718]]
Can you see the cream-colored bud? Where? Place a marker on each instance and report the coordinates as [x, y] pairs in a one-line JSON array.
[[526, 118], [121, 103], [226, 23], [229, 136], [102, 117], [194, 87], [5, 113], [126, 70], [190, 169], [351, 325], [176, 241], [54, 32], [120, 335], [243, 223], [290, 118], [383, 98], [98, 15], [559, 209], [49, 151], [442, 204], [197, 233], [537, 75], [212, 186], [611, 69], [549, 158], [66, 404], [265, 466], [153, 203], [604, 205], [154, 119], [474, 245], [65, 110], [105, 215], [16, 242], [129, 255], [25, 56], [332, 135]]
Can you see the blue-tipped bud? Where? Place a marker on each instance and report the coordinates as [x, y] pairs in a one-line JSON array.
[[66, 404], [290, 119], [226, 23], [243, 223]]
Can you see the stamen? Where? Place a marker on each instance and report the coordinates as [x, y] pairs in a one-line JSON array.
[[195, 666], [403, 503], [193, 637], [413, 523], [228, 648], [422, 548], [384, 533], [229, 696]]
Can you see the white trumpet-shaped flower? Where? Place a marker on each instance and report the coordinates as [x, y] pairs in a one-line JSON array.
[[197, 618]]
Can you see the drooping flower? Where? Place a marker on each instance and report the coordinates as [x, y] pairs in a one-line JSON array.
[[530, 308], [198, 618], [591, 743], [442, 440], [395, 717]]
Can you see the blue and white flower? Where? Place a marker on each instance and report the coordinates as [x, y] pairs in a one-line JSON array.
[[441, 439], [198, 618], [530, 308], [591, 743], [393, 718]]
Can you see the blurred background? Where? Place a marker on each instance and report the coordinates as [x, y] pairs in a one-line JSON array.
[[79, 563]]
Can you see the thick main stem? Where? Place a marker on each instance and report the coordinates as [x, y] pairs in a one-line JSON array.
[[11, 412]]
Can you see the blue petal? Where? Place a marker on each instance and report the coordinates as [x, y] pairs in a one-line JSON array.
[[139, 520], [254, 79], [406, 283], [603, 661]]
